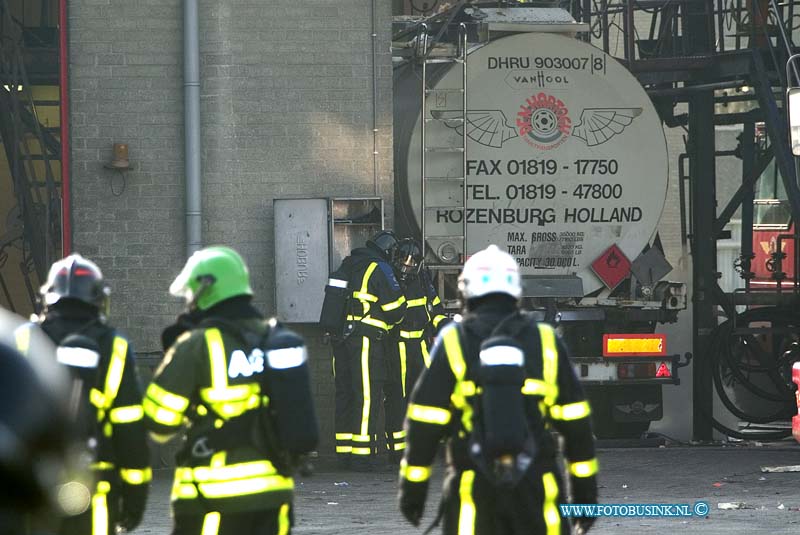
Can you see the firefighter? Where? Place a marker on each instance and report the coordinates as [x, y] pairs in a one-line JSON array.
[[498, 382], [108, 412], [232, 475], [362, 356], [424, 313], [33, 430]]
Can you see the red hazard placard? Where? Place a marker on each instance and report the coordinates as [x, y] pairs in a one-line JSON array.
[[612, 267]]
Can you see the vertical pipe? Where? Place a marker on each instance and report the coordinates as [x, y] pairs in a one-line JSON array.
[[462, 42], [66, 214], [423, 117], [748, 148], [374, 37], [191, 98]]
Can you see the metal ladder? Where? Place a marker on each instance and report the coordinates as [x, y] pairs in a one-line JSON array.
[[458, 57]]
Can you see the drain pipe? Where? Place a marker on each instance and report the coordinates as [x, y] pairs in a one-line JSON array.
[[374, 38], [63, 80], [191, 118]]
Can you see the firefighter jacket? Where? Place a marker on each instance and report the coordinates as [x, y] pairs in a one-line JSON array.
[[121, 453], [377, 302], [446, 395], [424, 310], [209, 381]]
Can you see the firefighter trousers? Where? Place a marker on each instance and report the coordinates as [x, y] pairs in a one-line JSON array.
[[414, 358], [344, 400], [473, 506], [365, 366], [266, 522]]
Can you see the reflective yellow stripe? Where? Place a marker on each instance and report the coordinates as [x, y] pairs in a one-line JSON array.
[[394, 304], [399, 446], [361, 451], [426, 357], [115, 368], [365, 386], [160, 415], [102, 465], [428, 415], [455, 357], [412, 334], [22, 336], [218, 471], [414, 474], [436, 300], [344, 449], [364, 296], [583, 468], [466, 515], [552, 518], [535, 387], [167, 399], [134, 476], [126, 415], [97, 398], [100, 509], [375, 323], [419, 302], [570, 411], [283, 520], [437, 319], [216, 355], [403, 362], [211, 524], [399, 434], [468, 388], [361, 438], [344, 436], [549, 360], [243, 487], [183, 491], [367, 275]]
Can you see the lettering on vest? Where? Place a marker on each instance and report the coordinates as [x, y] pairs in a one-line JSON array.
[[245, 366]]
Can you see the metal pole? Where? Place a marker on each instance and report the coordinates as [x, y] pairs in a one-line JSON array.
[[464, 53], [191, 97], [373, 38], [702, 170], [747, 145], [423, 36]]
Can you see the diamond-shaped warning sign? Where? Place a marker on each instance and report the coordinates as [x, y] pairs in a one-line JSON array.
[[612, 267]]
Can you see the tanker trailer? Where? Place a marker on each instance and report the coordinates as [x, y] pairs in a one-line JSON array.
[[551, 149]]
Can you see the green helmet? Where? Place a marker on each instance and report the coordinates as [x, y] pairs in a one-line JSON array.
[[212, 275]]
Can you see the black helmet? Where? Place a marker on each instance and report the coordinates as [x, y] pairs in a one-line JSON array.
[[384, 241], [75, 277], [407, 258]]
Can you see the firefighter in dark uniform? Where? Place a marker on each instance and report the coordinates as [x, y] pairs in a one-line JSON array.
[[424, 313], [465, 396], [362, 359], [35, 433], [75, 299], [231, 476]]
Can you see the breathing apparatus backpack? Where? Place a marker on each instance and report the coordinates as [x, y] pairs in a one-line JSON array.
[[286, 428], [338, 293], [505, 433]]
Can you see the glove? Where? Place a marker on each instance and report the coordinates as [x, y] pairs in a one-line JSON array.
[[412, 500], [134, 499], [185, 322], [584, 490]]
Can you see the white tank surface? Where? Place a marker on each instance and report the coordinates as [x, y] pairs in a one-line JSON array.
[[566, 156]]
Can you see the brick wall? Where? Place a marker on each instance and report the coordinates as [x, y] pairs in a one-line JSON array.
[[286, 111]]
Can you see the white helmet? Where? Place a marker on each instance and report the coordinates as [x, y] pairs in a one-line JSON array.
[[490, 271]]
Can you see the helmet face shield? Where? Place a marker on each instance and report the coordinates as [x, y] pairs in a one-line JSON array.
[[408, 259]]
